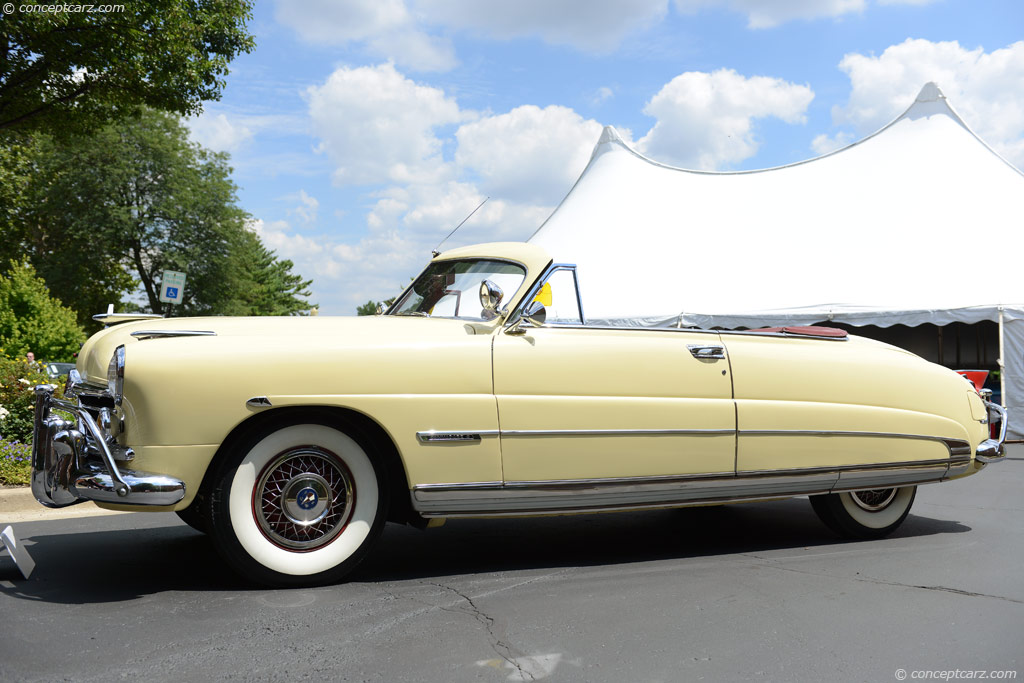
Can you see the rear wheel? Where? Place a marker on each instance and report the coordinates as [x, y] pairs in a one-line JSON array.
[[298, 505], [865, 514]]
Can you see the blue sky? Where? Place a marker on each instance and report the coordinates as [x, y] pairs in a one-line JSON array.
[[362, 131]]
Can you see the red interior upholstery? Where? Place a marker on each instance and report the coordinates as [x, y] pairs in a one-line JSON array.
[[806, 330]]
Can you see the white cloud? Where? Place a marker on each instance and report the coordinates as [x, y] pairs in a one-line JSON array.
[[384, 27], [530, 154], [378, 126], [591, 25], [705, 121], [305, 209], [771, 13], [984, 88], [436, 210], [218, 133], [603, 94], [823, 144]]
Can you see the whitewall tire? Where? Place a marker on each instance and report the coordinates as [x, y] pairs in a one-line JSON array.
[[865, 514], [299, 504]]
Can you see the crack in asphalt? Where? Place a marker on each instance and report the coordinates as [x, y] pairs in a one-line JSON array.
[[770, 564], [500, 647]]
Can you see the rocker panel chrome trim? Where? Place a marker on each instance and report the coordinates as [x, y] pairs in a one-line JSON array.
[[594, 495]]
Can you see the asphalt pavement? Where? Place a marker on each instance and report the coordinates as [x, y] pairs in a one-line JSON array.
[[747, 592]]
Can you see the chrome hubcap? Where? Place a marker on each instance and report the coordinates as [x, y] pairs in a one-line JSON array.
[[874, 500], [303, 498]]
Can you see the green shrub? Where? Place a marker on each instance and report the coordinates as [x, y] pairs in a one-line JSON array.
[[15, 463], [17, 398], [31, 320]]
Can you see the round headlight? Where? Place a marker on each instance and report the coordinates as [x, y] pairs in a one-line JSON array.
[[115, 375]]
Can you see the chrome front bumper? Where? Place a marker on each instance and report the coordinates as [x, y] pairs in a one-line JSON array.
[[74, 461], [993, 450]]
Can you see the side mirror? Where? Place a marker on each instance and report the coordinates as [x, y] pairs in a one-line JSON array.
[[535, 314], [490, 296]]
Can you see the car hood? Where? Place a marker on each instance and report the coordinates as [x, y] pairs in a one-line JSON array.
[[283, 336]]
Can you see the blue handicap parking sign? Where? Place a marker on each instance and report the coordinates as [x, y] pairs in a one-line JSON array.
[[172, 293]]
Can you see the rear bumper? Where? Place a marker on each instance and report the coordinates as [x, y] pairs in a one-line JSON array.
[[74, 461], [993, 450]]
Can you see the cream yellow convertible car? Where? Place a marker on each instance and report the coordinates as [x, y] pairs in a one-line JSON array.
[[484, 392]]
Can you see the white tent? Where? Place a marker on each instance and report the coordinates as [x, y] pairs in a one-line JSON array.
[[911, 225]]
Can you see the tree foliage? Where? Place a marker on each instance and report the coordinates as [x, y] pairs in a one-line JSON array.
[[30, 320], [107, 213], [71, 72]]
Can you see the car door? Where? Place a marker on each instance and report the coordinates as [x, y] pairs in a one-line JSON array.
[[581, 402]]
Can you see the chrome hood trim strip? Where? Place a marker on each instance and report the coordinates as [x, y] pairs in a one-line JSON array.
[[157, 334]]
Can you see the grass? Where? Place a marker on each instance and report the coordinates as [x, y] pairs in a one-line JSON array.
[[15, 463]]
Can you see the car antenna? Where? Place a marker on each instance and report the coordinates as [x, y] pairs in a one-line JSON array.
[[434, 251]]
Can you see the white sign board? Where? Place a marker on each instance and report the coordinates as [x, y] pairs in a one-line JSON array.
[[172, 286]]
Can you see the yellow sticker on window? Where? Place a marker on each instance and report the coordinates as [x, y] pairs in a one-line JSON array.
[[544, 295]]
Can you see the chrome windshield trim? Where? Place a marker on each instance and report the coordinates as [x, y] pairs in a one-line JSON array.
[[401, 297], [153, 334]]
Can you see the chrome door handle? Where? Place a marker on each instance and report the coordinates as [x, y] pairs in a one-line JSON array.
[[705, 351]]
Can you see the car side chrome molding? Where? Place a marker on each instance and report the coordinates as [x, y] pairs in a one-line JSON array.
[[494, 498], [476, 435], [617, 432], [956, 447]]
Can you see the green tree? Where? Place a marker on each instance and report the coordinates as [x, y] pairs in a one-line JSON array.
[[72, 72], [107, 213], [266, 285], [369, 308], [30, 320]]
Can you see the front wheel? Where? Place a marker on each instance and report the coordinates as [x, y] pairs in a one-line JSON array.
[[865, 514], [298, 505]]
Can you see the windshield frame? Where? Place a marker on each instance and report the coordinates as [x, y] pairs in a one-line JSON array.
[[506, 299]]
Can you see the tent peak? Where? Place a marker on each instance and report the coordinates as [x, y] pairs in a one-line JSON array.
[[930, 92], [609, 134]]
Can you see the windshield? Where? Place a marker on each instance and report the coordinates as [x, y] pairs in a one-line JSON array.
[[451, 289]]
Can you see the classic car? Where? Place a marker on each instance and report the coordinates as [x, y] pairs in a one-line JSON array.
[[482, 391]]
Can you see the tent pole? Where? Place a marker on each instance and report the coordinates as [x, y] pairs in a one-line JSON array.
[[1000, 363]]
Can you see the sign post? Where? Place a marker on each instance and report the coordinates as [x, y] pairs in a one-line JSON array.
[[172, 286]]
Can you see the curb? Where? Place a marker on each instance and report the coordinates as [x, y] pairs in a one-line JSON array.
[[17, 504]]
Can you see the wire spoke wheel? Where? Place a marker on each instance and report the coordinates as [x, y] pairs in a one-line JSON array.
[[873, 513], [304, 498], [298, 503], [874, 500]]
